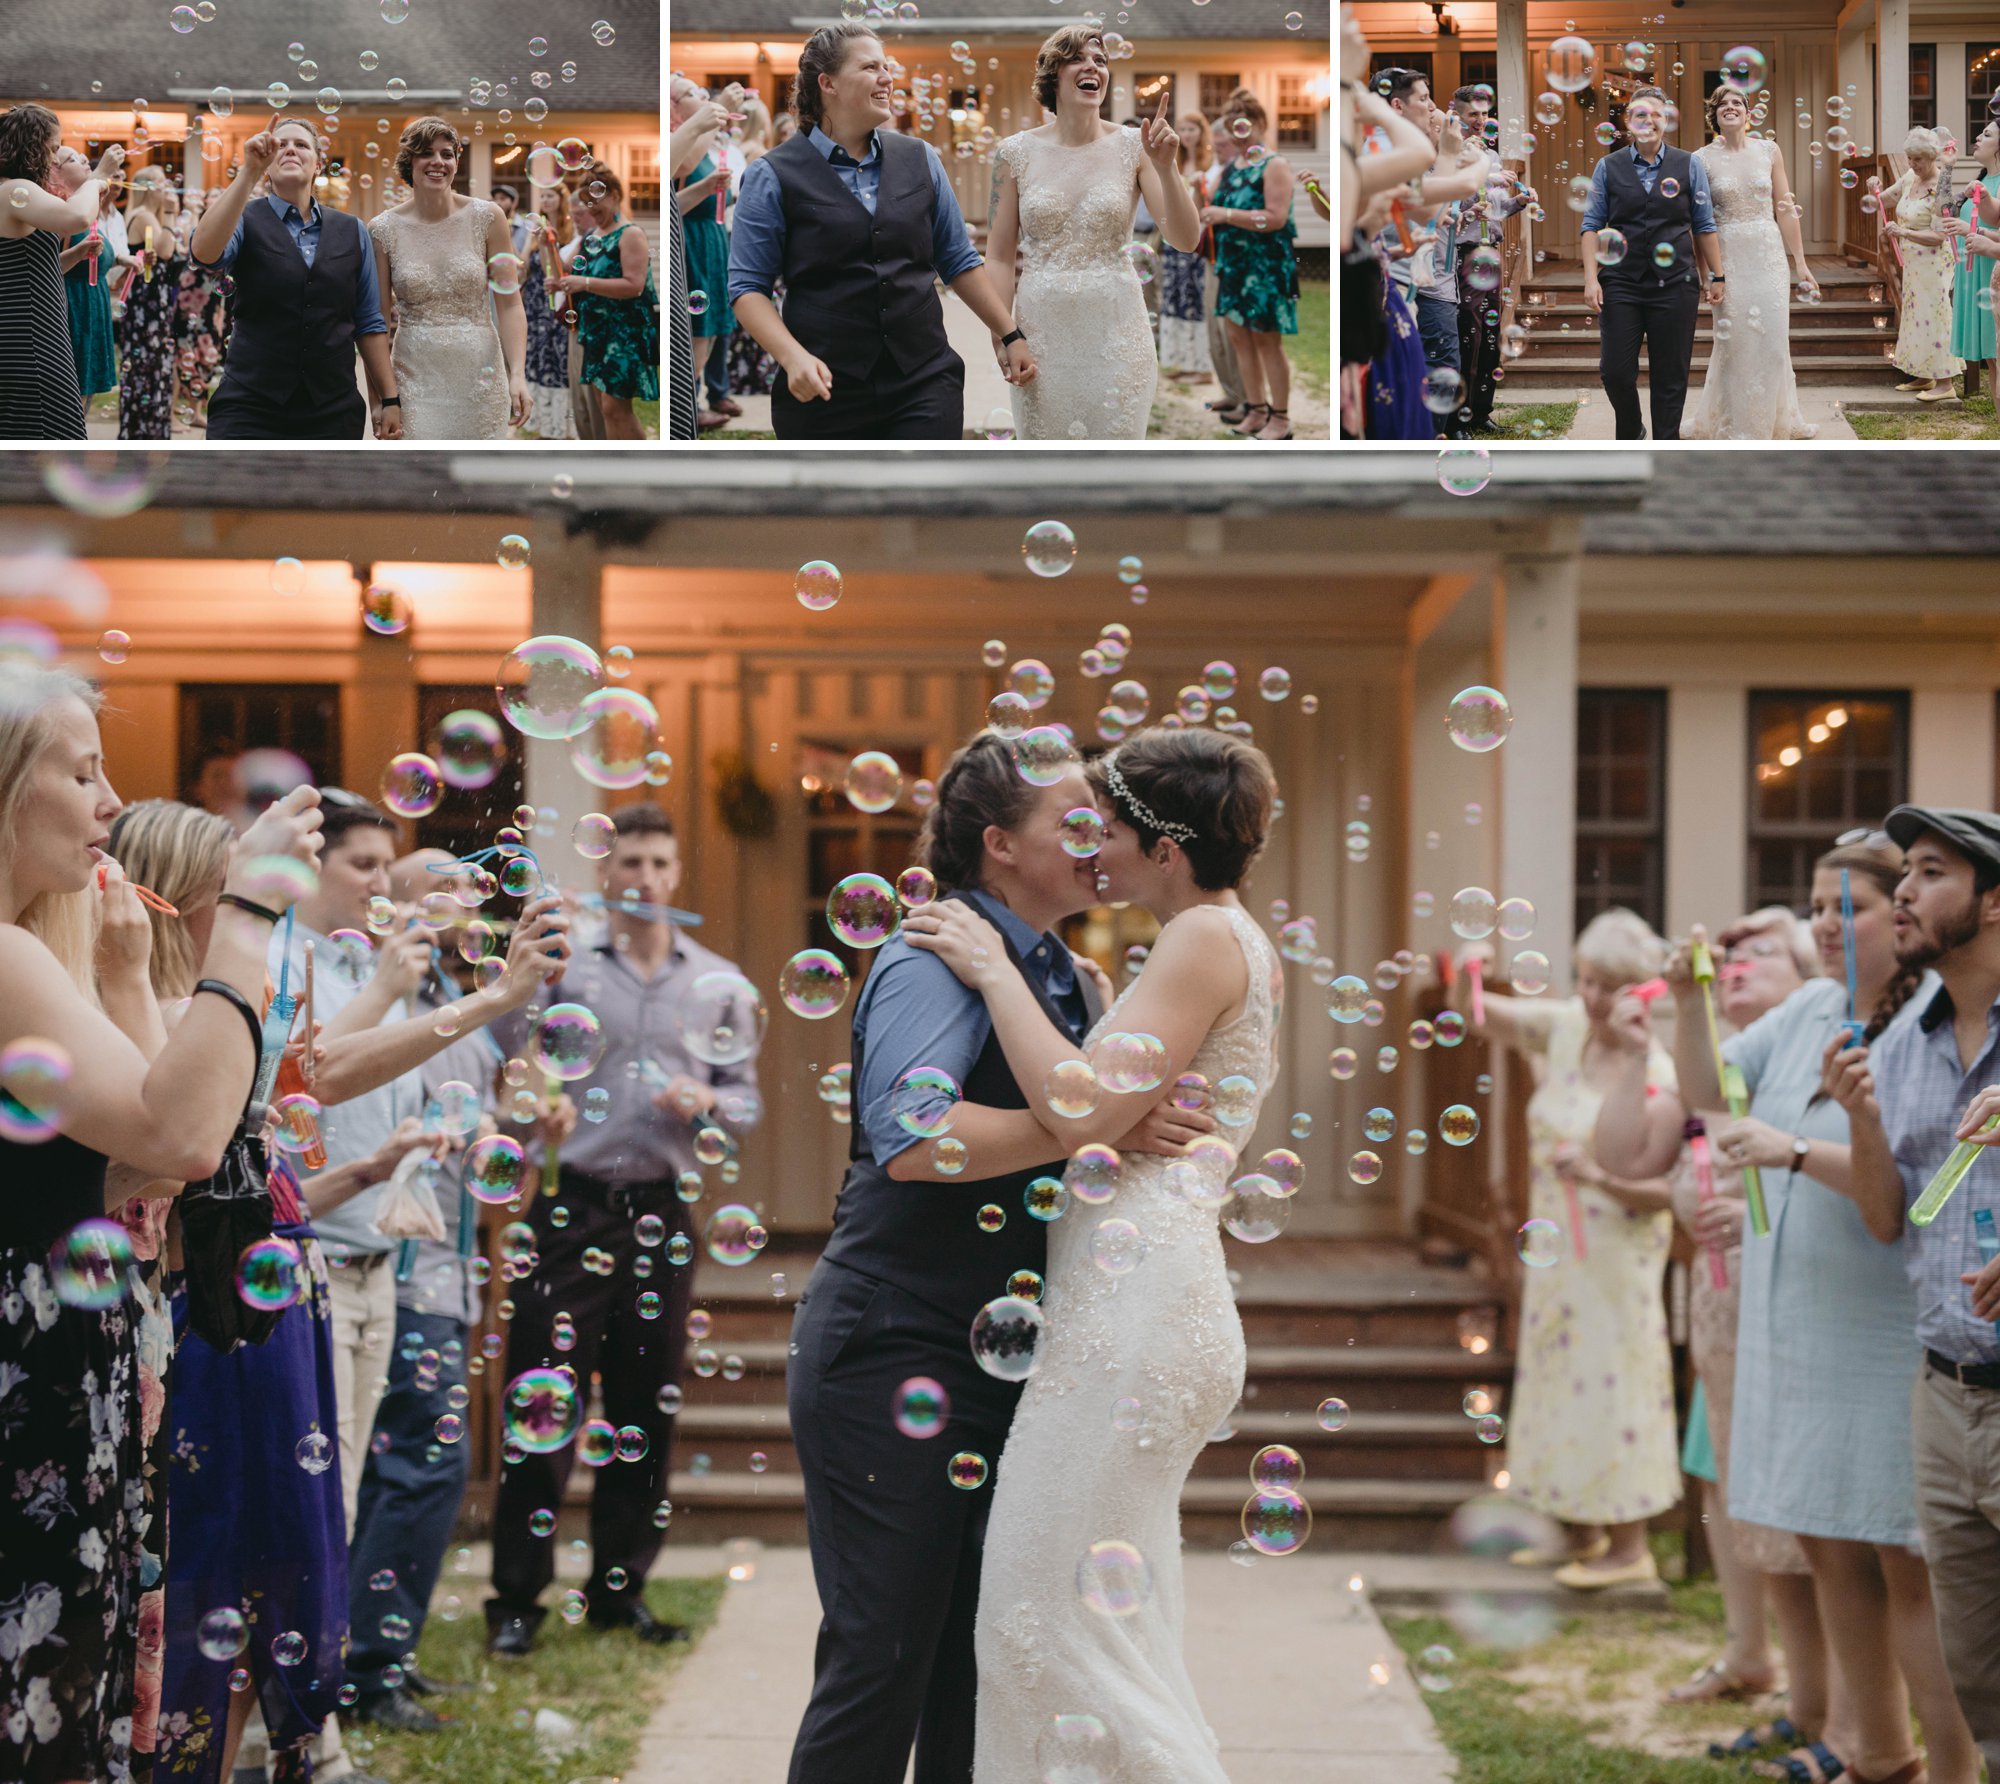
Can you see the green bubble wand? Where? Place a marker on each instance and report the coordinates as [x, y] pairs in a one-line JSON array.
[[1730, 1077], [1937, 1192]]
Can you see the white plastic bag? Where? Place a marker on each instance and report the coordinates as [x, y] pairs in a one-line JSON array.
[[409, 1206]]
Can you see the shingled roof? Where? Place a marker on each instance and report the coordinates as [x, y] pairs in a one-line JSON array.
[[1010, 18], [56, 49]]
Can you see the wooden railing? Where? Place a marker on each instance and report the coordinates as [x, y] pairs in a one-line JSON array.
[[1861, 231]]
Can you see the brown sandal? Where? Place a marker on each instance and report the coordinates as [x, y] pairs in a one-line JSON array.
[[1716, 1683], [1912, 1773]]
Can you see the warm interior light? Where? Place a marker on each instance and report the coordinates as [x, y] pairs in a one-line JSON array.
[[1789, 755]]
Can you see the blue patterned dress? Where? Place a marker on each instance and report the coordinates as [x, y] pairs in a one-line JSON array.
[[1256, 270]]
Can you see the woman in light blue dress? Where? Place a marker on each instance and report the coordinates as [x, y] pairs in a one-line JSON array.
[[1825, 1360]]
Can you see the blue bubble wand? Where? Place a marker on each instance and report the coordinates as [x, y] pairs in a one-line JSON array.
[[1853, 1025]]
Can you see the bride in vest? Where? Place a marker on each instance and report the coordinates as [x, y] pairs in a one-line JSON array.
[[1065, 195], [1751, 392], [448, 266]]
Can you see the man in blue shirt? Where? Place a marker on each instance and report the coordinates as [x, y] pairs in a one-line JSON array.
[[1931, 1083], [1649, 257], [304, 300], [862, 225]]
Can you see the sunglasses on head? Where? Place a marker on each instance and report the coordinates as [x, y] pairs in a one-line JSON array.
[[1864, 837]]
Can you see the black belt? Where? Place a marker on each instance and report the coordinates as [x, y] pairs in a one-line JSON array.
[[616, 1195], [1970, 1375]]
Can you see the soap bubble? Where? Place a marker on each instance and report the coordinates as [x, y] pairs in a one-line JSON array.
[[1076, 1748], [1529, 973], [1114, 1579], [1473, 913], [1516, 919], [412, 785], [568, 1042], [1082, 832], [1092, 1173], [1049, 548], [541, 1410], [493, 1169], [1458, 1125], [735, 1235], [967, 1471], [1255, 1211], [1538, 1243], [222, 1634], [269, 1273], [1365, 1167], [1611, 246], [89, 1266], [314, 1452], [1005, 1335], [613, 733], [1276, 1523], [874, 781], [593, 836], [922, 1406], [925, 1101], [1276, 1468], [1042, 756], [723, 1018], [1464, 470], [862, 910], [1117, 1247], [814, 984], [543, 683], [1745, 68], [1033, 681], [1129, 1064], [1045, 1198], [470, 749], [1332, 1415], [1479, 719], [1347, 998], [817, 585], [289, 1649], [1572, 63]]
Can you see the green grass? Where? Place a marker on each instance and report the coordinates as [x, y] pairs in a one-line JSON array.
[[1516, 421], [610, 1684], [1311, 350], [1965, 420]]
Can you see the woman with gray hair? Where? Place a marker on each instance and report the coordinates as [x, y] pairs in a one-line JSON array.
[[1923, 348], [1590, 1438]]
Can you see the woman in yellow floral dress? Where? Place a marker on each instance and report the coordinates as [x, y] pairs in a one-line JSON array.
[[1923, 349]]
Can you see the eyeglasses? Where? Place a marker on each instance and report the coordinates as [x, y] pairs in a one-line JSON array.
[[1866, 838], [341, 796], [1759, 947]]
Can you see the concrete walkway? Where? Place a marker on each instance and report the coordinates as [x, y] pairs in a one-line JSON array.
[[1280, 1651], [1825, 406]]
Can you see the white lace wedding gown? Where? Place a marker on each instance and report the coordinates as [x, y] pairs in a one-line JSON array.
[[1751, 392], [1167, 1335], [1079, 300], [450, 369]]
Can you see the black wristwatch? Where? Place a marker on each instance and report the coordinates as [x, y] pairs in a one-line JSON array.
[[392, 402], [1007, 340]]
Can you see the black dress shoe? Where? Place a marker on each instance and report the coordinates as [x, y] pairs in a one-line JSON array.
[[398, 1709], [643, 1624], [510, 1635], [426, 1686]]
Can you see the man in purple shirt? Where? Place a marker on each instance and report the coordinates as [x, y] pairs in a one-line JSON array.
[[619, 1193]]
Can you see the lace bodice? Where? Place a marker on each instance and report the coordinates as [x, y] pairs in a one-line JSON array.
[[1080, 300], [1739, 182], [1136, 1371], [450, 370]]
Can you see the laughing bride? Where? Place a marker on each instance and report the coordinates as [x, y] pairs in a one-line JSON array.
[[1065, 194]]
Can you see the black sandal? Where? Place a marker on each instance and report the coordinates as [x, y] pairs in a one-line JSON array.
[[1244, 428], [1779, 1732], [1228, 414], [1284, 415]]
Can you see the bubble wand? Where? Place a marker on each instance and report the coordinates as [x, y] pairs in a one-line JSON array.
[[1854, 1028], [1731, 1079], [1475, 973], [306, 1003], [1988, 1241], [551, 1152], [147, 896], [1937, 1192], [1696, 1133]]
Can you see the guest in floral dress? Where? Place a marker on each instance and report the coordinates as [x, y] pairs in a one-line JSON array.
[[1257, 266], [618, 308], [1923, 348], [548, 329], [201, 332], [1590, 1432], [146, 345], [1183, 314]]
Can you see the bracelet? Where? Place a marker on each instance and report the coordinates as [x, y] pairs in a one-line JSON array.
[[256, 910], [1013, 335], [243, 1009], [389, 402]]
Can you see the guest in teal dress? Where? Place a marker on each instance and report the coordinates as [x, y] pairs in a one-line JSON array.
[[89, 302], [617, 305], [1972, 326], [702, 196], [1256, 266], [1820, 1438]]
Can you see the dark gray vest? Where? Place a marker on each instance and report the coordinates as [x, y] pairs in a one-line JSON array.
[[291, 326], [1648, 219]]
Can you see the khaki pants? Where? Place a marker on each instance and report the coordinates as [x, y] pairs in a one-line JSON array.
[[1955, 1435], [1221, 351], [364, 1330], [583, 397]]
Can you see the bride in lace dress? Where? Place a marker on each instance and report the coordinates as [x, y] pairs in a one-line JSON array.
[[437, 256], [1751, 392], [1065, 195], [1079, 1630]]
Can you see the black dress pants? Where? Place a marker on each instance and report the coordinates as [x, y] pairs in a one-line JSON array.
[[1664, 318], [895, 1546], [236, 412], [633, 1356], [885, 405]]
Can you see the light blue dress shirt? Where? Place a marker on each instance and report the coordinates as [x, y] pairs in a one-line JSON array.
[[757, 239], [305, 232]]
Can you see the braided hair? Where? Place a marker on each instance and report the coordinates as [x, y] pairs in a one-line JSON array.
[[1882, 866]]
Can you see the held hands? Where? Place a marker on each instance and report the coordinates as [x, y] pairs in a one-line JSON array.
[[961, 938], [1161, 140], [1017, 363], [1748, 1141], [389, 422], [124, 931]]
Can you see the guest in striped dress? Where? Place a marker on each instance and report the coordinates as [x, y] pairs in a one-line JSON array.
[[39, 395]]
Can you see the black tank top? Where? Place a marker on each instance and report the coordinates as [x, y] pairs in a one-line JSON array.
[[45, 1189]]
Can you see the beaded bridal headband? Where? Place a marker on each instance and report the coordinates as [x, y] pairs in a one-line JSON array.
[[1181, 833]]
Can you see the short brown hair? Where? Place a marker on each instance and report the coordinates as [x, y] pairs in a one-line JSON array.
[[825, 53], [1245, 104], [1220, 787], [1063, 47], [1640, 93], [307, 125], [417, 139], [641, 819], [980, 786], [28, 138], [1715, 100]]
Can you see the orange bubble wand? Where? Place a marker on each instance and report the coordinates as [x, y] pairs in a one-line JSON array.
[[147, 896]]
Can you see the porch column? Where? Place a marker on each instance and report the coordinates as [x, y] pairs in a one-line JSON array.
[[1852, 51], [479, 176], [1953, 97], [1895, 64], [1708, 804], [1511, 101], [1537, 651], [566, 600], [1951, 747]]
